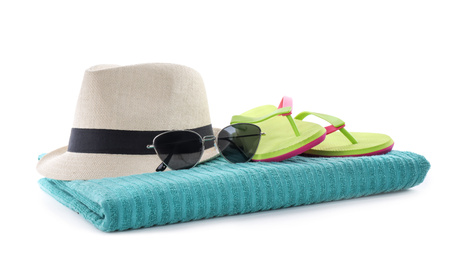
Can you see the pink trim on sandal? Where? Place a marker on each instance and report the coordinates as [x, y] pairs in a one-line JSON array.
[[286, 102], [331, 128]]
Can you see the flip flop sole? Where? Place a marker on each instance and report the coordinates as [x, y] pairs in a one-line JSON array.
[[298, 151], [336, 145], [280, 142]]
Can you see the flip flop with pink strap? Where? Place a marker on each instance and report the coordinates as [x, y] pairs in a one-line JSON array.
[[340, 143], [285, 136]]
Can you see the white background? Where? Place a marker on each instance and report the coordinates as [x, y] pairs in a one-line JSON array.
[[382, 66]]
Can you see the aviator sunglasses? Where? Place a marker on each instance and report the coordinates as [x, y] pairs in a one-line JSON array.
[[182, 149]]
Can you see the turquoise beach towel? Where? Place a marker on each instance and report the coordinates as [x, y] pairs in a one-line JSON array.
[[218, 188]]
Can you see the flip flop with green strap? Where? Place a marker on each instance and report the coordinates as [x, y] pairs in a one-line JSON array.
[[343, 143], [284, 136]]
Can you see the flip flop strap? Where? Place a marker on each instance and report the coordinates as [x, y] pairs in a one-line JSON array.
[[336, 124], [288, 102], [282, 111], [248, 119]]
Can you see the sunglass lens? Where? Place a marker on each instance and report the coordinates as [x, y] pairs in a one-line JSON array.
[[238, 142], [179, 149]]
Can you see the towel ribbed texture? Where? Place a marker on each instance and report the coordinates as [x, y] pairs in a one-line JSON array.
[[219, 188]]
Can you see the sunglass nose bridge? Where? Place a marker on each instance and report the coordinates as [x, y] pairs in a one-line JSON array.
[[209, 138]]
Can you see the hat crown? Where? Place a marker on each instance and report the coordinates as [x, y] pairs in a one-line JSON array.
[[119, 111], [145, 97]]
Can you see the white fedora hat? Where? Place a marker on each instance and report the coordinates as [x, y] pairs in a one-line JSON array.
[[119, 111]]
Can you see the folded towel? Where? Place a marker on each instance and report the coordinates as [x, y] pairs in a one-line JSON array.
[[219, 188]]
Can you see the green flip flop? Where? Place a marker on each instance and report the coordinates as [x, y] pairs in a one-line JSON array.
[[343, 143], [284, 136]]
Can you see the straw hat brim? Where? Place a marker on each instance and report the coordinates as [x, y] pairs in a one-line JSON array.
[[63, 165]]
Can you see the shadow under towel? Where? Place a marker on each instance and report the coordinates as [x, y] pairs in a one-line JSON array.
[[219, 188]]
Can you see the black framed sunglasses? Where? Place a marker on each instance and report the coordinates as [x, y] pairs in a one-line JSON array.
[[183, 149]]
